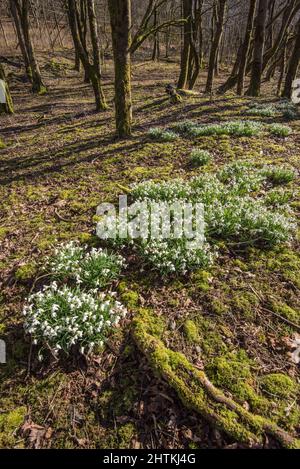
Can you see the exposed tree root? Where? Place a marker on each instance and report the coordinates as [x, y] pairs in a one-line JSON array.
[[198, 393]]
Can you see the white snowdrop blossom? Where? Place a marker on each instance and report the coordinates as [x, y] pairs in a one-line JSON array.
[[82, 319], [238, 206], [94, 268]]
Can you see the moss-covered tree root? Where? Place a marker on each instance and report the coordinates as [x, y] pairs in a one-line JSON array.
[[197, 392]]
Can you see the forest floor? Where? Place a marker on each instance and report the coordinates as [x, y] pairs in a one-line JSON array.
[[60, 161]]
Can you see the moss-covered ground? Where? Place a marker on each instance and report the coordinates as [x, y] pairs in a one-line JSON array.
[[59, 160]]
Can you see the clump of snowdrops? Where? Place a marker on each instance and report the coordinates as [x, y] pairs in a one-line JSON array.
[[62, 318], [95, 268], [236, 209]]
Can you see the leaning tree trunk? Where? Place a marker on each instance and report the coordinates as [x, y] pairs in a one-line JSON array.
[[215, 45], [258, 51], [293, 66], [6, 107], [120, 18]]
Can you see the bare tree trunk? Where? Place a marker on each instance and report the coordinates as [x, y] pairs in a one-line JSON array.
[[291, 9], [258, 52], [95, 71], [246, 47], [6, 107], [156, 45], [196, 37], [186, 49], [92, 70], [293, 66], [15, 14], [215, 45], [74, 33], [120, 18], [282, 68], [81, 16], [20, 11]]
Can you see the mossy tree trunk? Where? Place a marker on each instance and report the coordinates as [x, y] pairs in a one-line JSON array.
[[7, 106], [120, 18], [221, 9], [293, 65], [198, 393], [258, 51], [92, 69], [20, 13]]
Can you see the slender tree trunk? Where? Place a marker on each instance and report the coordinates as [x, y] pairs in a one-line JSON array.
[[215, 45], [156, 48], [37, 83], [73, 29], [92, 70], [292, 66], [196, 37], [258, 52], [20, 12], [291, 9], [120, 18], [200, 34], [186, 48], [246, 47], [77, 61], [282, 68], [7, 106], [81, 16], [288, 13], [16, 17], [95, 71]]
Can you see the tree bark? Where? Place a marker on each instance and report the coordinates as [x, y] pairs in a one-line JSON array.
[[215, 45], [156, 43], [246, 47], [95, 71], [258, 51], [293, 66], [81, 17], [16, 18], [186, 49], [120, 18], [37, 82], [20, 13], [92, 70], [282, 69]]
